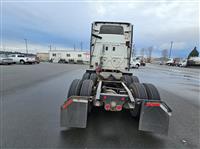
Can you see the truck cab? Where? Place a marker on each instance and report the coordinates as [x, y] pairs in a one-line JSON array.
[[110, 46]]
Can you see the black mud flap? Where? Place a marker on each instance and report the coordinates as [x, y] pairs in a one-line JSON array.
[[74, 113], [154, 117]]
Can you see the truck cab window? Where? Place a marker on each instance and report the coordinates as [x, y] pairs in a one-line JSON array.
[[111, 29]]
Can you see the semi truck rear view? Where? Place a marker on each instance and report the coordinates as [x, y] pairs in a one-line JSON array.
[[108, 83]]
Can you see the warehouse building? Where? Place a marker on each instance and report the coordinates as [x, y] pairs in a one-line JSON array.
[[69, 56], [43, 57]]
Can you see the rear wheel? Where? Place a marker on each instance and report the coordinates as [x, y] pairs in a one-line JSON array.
[[75, 87], [22, 62], [127, 79], [93, 77], [86, 90], [152, 91], [137, 66], [86, 76], [138, 90], [87, 87], [135, 79]]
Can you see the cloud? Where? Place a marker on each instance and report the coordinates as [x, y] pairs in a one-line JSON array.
[[176, 45], [65, 24]]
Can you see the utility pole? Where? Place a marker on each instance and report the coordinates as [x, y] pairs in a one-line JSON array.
[[50, 47], [81, 45], [26, 46], [74, 47], [170, 52]]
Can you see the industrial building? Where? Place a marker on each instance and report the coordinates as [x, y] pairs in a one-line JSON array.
[[69, 56], [43, 57]]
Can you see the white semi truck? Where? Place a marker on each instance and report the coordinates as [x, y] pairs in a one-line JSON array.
[[109, 84]]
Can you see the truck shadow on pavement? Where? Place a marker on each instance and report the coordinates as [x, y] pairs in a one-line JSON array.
[[109, 129]]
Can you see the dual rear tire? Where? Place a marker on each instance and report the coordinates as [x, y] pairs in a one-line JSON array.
[[144, 91], [129, 79], [80, 88], [90, 76]]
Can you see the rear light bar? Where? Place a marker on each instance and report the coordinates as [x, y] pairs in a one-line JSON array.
[[119, 107], [107, 107], [123, 98]]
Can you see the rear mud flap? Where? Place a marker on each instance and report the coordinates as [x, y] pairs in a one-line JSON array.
[[154, 117], [74, 113]]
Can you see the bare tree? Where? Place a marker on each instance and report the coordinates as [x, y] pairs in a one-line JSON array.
[[164, 53], [142, 52], [149, 53]]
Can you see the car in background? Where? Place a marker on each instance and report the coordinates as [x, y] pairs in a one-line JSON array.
[[62, 61], [31, 59], [183, 63], [22, 59], [135, 63], [37, 60], [170, 62], [142, 62], [4, 59]]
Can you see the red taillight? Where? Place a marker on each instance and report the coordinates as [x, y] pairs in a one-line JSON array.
[[152, 104], [119, 107], [104, 97], [122, 99], [107, 106], [67, 103]]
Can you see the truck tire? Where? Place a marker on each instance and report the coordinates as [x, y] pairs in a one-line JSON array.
[[127, 79], [138, 90], [137, 66], [93, 77], [87, 87], [75, 87], [86, 90], [22, 62], [86, 76], [152, 91], [135, 79]]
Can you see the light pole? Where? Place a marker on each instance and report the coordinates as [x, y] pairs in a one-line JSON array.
[[81, 45], [50, 47], [26, 46], [74, 47], [170, 52]]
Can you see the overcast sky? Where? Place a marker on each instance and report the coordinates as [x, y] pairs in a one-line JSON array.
[[63, 24]]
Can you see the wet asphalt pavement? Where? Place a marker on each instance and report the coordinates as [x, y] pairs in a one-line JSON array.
[[31, 96]]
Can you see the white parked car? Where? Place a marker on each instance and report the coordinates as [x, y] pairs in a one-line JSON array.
[[135, 63], [183, 63], [22, 59], [4, 59], [170, 62]]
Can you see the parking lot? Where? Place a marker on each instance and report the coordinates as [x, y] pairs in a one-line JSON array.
[[31, 96]]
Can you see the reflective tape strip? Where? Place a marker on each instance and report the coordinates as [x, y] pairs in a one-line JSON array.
[[66, 104], [80, 100], [169, 113]]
